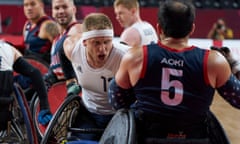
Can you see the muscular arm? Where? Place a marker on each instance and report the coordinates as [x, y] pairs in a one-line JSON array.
[[219, 70], [131, 37], [221, 77], [66, 66], [120, 92], [65, 60], [75, 30], [69, 45], [49, 30], [232, 59], [130, 68]]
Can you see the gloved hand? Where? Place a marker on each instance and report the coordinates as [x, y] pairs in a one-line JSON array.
[[49, 79], [73, 88], [44, 116], [233, 62]]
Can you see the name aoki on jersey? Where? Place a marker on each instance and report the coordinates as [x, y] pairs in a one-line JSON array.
[[173, 62]]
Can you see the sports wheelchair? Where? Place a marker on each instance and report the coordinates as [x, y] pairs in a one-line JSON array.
[[60, 126], [20, 127], [121, 129], [24, 82], [56, 95]]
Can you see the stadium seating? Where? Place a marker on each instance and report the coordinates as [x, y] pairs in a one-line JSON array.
[[201, 4]]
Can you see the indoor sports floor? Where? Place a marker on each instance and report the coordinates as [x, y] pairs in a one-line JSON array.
[[229, 117]]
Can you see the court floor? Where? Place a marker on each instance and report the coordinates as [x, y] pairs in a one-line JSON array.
[[229, 118]]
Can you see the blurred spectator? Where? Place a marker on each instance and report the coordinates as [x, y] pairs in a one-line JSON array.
[[220, 31]]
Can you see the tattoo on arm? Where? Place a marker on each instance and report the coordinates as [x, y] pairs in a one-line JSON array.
[[52, 29]]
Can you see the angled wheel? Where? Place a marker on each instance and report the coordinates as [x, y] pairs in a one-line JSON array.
[[56, 96], [121, 129], [57, 129], [216, 132], [21, 129]]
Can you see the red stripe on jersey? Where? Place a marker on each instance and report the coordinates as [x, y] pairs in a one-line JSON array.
[[205, 69], [144, 64]]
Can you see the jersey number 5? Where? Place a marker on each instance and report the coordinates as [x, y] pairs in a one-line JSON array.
[[172, 90]]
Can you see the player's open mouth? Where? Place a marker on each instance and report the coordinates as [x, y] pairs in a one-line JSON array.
[[101, 57]]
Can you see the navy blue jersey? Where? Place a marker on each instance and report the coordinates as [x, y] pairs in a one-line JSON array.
[[32, 42], [174, 83], [55, 64]]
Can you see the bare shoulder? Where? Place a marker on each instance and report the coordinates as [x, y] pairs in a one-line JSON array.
[[216, 59], [76, 29], [49, 29], [69, 44], [130, 36], [218, 68], [130, 32]]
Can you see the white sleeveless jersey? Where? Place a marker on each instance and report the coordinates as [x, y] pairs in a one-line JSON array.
[[95, 82], [6, 57], [147, 32]]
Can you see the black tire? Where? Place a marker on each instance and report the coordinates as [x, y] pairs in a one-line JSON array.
[[57, 129], [34, 111], [21, 126], [216, 132], [121, 129]]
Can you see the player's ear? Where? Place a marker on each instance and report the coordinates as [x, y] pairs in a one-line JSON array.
[[74, 9], [193, 29], [84, 43], [133, 10], [159, 29]]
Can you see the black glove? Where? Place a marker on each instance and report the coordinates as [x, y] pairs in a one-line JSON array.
[[49, 79], [233, 62]]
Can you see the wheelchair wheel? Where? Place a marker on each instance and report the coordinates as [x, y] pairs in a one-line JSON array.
[[121, 129], [21, 129], [56, 96], [38, 63], [57, 129], [216, 132]]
